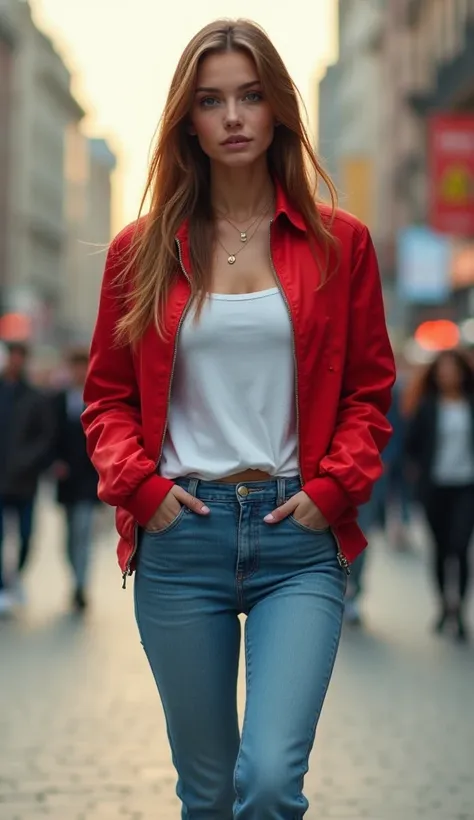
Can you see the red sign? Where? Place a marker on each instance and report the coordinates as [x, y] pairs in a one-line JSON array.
[[440, 334], [451, 174]]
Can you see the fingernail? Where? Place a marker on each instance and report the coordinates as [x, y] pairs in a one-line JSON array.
[[269, 518], [205, 509]]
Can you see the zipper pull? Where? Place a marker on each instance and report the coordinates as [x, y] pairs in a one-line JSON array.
[[124, 579], [344, 563]]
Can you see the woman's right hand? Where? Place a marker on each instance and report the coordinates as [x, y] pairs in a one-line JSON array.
[[170, 508]]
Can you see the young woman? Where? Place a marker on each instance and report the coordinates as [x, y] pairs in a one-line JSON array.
[[441, 444], [237, 400]]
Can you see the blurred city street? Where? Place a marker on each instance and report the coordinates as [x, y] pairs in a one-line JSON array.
[[388, 92], [82, 734]]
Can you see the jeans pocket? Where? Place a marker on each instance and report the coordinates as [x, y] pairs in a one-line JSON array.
[[303, 527], [170, 526]]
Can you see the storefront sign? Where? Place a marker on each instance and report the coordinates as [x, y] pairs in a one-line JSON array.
[[423, 266], [451, 174]]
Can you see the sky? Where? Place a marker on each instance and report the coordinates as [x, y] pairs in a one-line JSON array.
[[123, 54]]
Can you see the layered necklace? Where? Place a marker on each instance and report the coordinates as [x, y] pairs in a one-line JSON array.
[[246, 235]]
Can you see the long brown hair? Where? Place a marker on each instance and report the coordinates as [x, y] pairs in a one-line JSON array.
[[430, 386], [424, 381], [178, 184]]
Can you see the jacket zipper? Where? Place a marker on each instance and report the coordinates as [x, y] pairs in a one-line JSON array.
[[283, 294], [342, 560], [128, 570]]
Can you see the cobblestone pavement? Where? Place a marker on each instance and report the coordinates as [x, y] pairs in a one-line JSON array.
[[82, 736]]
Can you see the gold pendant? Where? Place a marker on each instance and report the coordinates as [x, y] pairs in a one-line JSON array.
[[231, 259], [243, 236]]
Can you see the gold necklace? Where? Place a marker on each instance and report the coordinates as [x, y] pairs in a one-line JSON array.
[[244, 234], [231, 257]]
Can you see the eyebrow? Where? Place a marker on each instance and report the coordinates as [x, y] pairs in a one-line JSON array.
[[242, 87]]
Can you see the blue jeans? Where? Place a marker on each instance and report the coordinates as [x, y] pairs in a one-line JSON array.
[[23, 509], [193, 580], [79, 522], [402, 490]]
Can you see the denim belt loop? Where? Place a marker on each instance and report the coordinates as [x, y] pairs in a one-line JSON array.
[[193, 485], [281, 491]]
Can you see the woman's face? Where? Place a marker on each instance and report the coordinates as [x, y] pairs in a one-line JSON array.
[[230, 117], [448, 374]]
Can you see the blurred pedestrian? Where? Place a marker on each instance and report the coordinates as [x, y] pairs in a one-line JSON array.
[[396, 512], [388, 493], [76, 477], [236, 409], [440, 442], [26, 435]]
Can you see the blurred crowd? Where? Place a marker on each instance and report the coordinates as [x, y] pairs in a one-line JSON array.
[[428, 468], [41, 437]]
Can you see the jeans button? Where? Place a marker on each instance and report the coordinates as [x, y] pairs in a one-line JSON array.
[[243, 491]]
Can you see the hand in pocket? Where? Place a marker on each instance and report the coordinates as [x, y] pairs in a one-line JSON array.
[[303, 509], [170, 508]]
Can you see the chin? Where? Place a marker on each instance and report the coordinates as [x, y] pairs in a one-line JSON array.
[[239, 160]]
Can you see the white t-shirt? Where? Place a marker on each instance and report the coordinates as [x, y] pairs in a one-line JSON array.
[[233, 392], [454, 460]]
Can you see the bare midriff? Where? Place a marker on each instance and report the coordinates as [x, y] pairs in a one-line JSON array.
[[245, 475]]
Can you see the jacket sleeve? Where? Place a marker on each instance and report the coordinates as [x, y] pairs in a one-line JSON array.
[[353, 464], [112, 418]]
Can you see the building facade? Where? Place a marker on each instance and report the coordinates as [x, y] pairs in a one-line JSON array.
[[427, 61], [349, 107], [43, 109], [329, 122], [7, 45], [55, 193], [102, 165], [400, 61], [426, 56], [91, 165]]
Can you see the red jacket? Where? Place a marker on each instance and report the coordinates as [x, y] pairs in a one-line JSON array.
[[345, 372]]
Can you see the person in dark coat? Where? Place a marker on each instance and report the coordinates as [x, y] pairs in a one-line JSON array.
[[374, 512], [76, 477], [26, 435], [440, 444]]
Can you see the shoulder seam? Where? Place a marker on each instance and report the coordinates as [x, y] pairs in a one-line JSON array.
[[350, 220], [357, 228]]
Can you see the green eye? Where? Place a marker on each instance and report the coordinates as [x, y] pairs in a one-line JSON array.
[[208, 102], [254, 96]]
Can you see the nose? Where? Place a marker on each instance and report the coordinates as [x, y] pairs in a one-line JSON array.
[[232, 115]]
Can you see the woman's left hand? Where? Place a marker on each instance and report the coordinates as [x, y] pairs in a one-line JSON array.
[[303, 509]]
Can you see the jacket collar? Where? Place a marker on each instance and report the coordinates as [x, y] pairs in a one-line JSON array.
[[283, 206]]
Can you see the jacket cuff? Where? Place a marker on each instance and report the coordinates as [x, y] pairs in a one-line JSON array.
[[328, 496], [144, 502]]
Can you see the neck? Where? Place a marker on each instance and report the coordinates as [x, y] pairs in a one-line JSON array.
[[12, 377], [241, 193], [452, 395]]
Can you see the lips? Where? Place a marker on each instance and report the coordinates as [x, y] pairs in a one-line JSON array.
[[236, 139]]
